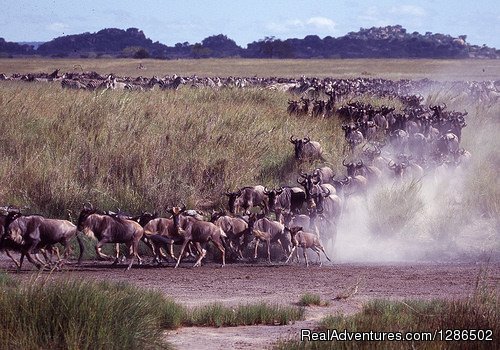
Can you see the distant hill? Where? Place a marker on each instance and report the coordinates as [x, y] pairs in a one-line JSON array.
[[10, 48], [35, 44], [376, 42]]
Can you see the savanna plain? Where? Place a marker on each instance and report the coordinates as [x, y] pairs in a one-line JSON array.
[[413, 256]]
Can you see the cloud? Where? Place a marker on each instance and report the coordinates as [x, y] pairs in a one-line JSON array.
[[322, 24], [57, 27], [410, 10], [380, 16]]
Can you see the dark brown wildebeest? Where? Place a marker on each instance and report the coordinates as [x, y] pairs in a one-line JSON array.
[[286, 198], [247, 198], [305, 149], [35, 232], [109, 229]]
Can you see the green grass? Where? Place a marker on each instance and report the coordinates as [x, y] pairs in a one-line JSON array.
[[308, 299], [218, 315], [79, 314], [83, 315], [478, 312]]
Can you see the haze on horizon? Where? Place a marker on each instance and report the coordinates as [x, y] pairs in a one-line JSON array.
[[171, 22]]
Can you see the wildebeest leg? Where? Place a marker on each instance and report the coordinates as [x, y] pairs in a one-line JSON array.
[[134, 251], [101, 255], [201, 254], [305, 256], [289, 256], [117, 253], [268, 242], [256, 247], [184, 244], [31, 260], [131, 253], [219, 246], [323, 250], [18, 265], [316, 250]]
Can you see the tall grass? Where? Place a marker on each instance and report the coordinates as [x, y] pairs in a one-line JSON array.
[[83, 315], [140, 151]]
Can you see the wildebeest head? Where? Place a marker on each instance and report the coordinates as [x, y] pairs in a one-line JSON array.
[[146, 217], [87, 210], [232, 196], [299, 145], [352, 167], [309, 183], [176, 212], [398, 168], [272, 196]]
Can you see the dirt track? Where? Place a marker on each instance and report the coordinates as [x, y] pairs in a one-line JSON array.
[[243, 283]]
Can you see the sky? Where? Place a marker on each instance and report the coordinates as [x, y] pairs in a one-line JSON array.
[[171, 22]]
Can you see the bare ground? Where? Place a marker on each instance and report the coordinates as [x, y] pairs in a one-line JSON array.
[[284, 284]]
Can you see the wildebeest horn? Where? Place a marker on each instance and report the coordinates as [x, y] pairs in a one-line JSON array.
[[302, 182], [360, 163], [88, 206], [344, 163], [292, 140], [307, 139], [327, 194], [391, 164]]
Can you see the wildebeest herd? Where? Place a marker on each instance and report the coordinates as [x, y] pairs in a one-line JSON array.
[[380, 144]]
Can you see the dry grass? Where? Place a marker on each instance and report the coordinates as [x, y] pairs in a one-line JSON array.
[[346, 68], [140, 151]]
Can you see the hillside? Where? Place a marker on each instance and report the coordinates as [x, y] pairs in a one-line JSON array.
[[376, 42]]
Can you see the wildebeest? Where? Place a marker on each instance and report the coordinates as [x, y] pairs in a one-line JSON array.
[[286, 198], [236, 229], [324, 174], [35, 232], [246, 198], [198, 231], [267, 231], [305, 240], [305, 149], [108, 229]]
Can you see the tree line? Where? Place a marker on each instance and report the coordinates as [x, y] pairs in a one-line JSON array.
[[375, 42]]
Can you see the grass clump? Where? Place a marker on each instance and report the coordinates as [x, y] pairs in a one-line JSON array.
[[217, 315], [309, 299], [84, 315], [478, 312]]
